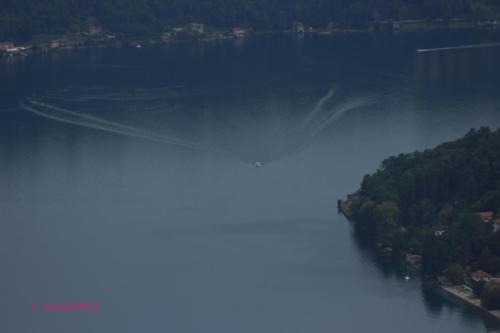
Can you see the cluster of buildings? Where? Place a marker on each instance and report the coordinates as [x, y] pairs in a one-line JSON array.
[[476, 276], [91, 36], [9, 49], [199, 31], [486, 217], [492, 24], [489, 217], [94, 37]]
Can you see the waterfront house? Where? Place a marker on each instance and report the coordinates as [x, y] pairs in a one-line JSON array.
[[487, 217], [196, 28], [15, 51], [239, 32], [177, 30], [55, 43], [94, 30], [403, 231], [496, 225], [4, 46], [413, 259], [438, 230], [480, 276], [298, 27], [167, 36]]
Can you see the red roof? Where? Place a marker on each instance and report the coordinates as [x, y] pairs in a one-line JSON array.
[[486, 215], [480, 275]]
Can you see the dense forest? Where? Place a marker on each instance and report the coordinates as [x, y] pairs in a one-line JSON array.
[[430, 203], [24, 19]]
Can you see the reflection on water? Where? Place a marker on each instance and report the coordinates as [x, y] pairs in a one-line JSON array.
[[128, 178]]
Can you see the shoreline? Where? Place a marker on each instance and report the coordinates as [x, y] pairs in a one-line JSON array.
[[455, 291], [469, 299], [76, 40]]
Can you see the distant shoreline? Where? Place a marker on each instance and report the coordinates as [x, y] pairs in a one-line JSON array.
[[71, 41]]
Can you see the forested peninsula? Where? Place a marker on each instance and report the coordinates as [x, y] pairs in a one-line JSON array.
[[25, 19], [440, 208]]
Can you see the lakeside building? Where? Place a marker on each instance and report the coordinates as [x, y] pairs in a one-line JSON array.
[[167, 36], [487, 217], [438, 230], [4, 46], [55, 43], [298, 27], [480, 276], [197, 28], [413, 259], [239, 32], [496, 225], [177, 30], [94, 30]]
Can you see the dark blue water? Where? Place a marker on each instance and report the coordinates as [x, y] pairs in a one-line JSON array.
[[127, 178]]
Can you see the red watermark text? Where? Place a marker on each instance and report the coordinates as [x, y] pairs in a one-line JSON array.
[[85, 307]]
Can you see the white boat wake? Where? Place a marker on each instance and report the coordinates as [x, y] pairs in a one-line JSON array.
[[77, 111], [76, 118], [338, 112], [317, 108], [449, 48]]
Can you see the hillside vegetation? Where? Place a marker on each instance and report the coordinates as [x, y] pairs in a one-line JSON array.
[[413, 195], [24, 19]]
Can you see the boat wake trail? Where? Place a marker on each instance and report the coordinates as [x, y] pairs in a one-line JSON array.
[[76, 118], [339, 111], [316, 121], [472, 46], [160, 115], [318, 107]]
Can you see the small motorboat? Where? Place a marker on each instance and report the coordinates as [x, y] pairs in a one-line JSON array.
[[407, 278], [258, 164]]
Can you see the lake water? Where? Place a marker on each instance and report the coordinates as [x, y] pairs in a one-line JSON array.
[[127, 178]]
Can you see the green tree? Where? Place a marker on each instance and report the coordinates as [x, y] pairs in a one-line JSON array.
[[434, 255], [386, 216], [490, 297], [455, 273]]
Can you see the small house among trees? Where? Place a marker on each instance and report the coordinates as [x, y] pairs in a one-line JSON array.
[[298, 27], [496, 225], [239, 32], [438, 230], [197, 28], [4, 46], [487, 217], [480, 276]]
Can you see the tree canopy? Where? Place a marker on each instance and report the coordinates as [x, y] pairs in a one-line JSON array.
[[441, 189]]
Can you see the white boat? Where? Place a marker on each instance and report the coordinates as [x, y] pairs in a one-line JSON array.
[[258, 164]]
